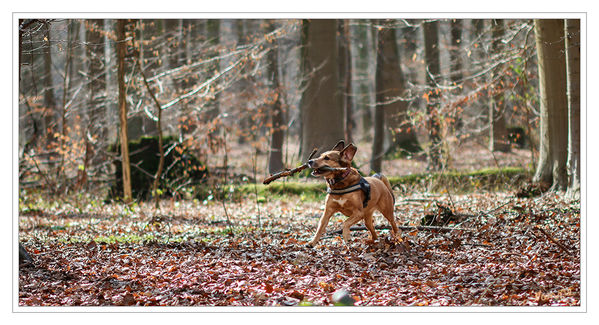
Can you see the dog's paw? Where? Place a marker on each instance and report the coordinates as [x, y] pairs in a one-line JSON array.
[[310, 245]]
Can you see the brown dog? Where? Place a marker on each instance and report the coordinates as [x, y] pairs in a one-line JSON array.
[[351, 194]]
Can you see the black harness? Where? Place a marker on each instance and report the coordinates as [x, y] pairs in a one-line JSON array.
[[361, 185]]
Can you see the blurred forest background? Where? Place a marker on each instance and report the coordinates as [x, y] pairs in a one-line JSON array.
[[219, 101]]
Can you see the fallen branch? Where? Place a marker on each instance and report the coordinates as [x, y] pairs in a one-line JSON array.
[[560, 245], [289, 172], [419, 228]]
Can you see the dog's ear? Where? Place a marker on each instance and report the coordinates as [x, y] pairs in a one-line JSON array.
[[348, 152], [339, 146]]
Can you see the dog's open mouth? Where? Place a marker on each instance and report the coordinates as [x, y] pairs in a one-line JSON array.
[[321, 170], [318, 171]]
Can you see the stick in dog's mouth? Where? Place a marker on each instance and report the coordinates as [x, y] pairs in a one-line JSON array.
[[321, 170]]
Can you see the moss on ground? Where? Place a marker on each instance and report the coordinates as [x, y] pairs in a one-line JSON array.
[[490, 179]]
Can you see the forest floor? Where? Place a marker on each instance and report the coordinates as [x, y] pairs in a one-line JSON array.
[[498, 250], [492, 249]]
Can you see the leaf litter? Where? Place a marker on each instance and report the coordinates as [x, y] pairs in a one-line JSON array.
[[502, 251]]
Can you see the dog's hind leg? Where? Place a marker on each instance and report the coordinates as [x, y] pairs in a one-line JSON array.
[[369, 223], [388, 214]]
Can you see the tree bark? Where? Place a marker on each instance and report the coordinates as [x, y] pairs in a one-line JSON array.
[[551, 169], [432, 65], [498, 136], [361, 37], [345, 77], [95, 55], [456, 74], [572, 30], [49, 98], [121, 50], [275, 160], [213, 33], [322, 113], [390, 89]]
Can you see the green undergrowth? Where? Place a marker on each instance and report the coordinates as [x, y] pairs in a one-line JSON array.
[[490, 179]]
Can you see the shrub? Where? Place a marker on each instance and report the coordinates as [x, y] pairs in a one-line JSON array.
[[181, 168]]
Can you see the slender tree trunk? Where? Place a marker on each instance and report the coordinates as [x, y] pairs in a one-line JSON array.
[[376, 164], [361, 37], [213, 32], [431, 58], [549, 34], [345, 76], [66, 84], [572, 27], [275, 160], [498, 136], [95, 56], [456, 75], [322, 114], [158, 174], [121, 49], [478, 55], [49, 99]]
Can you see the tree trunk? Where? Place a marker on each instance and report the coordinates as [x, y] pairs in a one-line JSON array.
[[498, 137], [549, 34], [456, 74], [573, 70], [376, 164], [213, 33], [432, 65], [121, 50], [275, 160], [361, 43], [95, 56], [478, 54], [322, 114], [389, 89], [345, 77], [49, 98]]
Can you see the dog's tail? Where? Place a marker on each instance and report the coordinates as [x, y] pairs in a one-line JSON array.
[[386, 181]]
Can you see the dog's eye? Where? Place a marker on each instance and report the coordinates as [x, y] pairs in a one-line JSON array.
[[326, 158]]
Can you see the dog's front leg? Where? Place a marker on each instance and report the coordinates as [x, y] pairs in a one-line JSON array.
[[322, 224], [353, 219]]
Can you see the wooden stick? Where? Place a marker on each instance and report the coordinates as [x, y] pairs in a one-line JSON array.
[[289, 172], [332, 169], [560, 245], [284, 173], [420, 228]]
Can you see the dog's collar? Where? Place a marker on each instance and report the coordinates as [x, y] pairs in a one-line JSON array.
[[333, 181]]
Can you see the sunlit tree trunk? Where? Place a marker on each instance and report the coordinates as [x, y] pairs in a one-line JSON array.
[[275, 160], [456, 74], [572, 27], [95, 124], [551, 169], [121, 50], [432, 66], [498, 139]]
